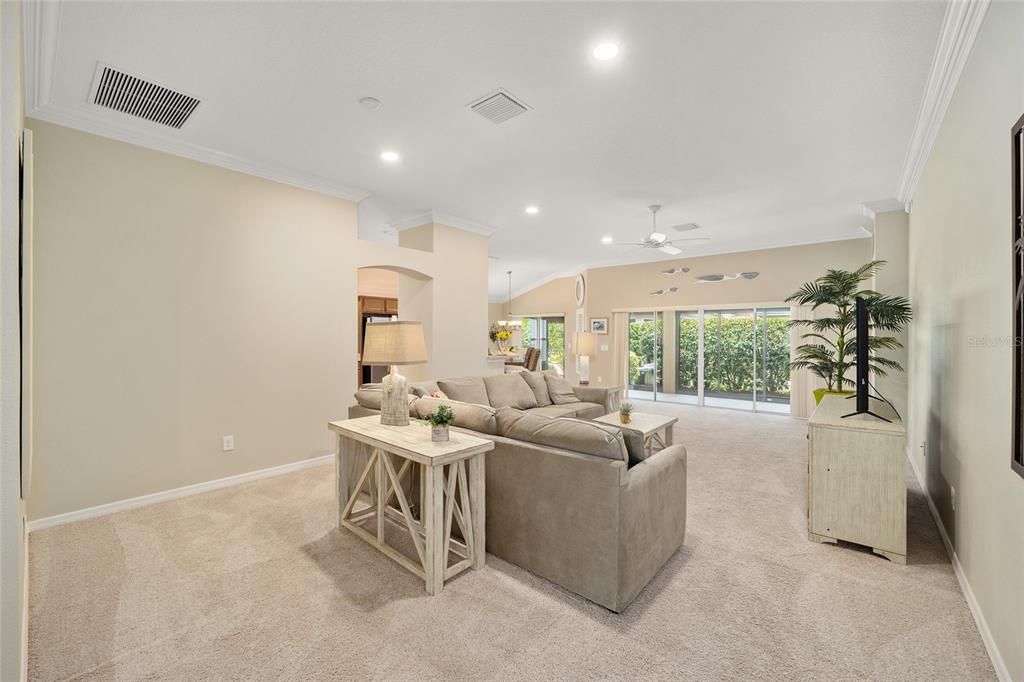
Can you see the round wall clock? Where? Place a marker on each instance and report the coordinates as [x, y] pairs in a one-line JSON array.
[[581, 290]]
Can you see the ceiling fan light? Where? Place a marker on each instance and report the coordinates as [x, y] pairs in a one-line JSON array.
[[657, 237]]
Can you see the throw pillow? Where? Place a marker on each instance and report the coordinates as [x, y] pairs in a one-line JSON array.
[[560, 390], [466, 390], [437, 394], [509, 390], [421, 389], [479, 418], [539, 387]]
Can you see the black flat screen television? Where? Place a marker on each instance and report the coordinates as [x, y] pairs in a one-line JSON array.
[[863, 396]]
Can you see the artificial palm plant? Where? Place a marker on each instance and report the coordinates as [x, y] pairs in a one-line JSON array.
[[831, 350]]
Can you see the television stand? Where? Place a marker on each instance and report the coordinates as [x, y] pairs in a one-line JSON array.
[[857, 488], [868, 412]]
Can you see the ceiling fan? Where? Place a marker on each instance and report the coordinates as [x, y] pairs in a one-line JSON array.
[[660, 241]]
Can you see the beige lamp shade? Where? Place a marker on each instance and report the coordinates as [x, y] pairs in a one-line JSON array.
[[585, 343], [394, 343]]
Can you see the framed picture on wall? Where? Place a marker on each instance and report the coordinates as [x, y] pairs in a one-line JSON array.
[[599, 325]]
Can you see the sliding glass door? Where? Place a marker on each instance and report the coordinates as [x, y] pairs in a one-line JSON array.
[[729, 358], [720, 357], [688, 350], [771, 387], [646, 355], [546, 334]]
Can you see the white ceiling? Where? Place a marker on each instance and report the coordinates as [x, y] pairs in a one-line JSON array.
[[767, 123]]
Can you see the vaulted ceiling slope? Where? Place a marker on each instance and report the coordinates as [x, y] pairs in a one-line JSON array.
[[766, 123]]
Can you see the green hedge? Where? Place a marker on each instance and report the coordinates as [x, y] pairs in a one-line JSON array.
[[730, 369]]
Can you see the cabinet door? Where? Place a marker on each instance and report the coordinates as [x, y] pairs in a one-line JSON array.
[[391, 306], [860, 494], [373, 305]]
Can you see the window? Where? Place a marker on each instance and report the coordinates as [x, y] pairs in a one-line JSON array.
[[547, 334], [1017, 241]]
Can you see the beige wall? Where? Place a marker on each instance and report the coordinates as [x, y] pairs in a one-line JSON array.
[[378, 282], [890, 244], [12, 544], [629, 286], [961, 339], [177, 302]]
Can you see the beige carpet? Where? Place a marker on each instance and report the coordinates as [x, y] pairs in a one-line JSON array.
[[254, 582]]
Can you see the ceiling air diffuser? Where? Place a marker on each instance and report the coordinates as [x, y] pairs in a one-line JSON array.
[[144, 99]]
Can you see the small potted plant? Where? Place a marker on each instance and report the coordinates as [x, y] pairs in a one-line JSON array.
[[625, 411], [440, 418]]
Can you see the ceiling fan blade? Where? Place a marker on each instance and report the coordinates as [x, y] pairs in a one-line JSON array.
[[670, 250], [634, 244], [693, 239]]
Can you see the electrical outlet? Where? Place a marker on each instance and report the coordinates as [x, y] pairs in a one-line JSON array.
[[952, 497], [228, 443], [599, 380]]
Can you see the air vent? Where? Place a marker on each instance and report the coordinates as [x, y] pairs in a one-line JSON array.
[[134, 96], [498, 107]]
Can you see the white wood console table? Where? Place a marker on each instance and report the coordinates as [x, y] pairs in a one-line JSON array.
[[856, 478], [448, 498]]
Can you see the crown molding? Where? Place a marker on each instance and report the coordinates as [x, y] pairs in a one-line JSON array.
[[442, 219], [871, 209], [960, 27], [41, 28]]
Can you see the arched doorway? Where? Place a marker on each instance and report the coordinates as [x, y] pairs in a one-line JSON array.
[[393, 292]]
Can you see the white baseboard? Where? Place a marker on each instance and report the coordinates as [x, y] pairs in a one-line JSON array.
[[153, 498], [979, 618], [24, 600]]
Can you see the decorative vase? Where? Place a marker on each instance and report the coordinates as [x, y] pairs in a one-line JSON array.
[[439, 434]]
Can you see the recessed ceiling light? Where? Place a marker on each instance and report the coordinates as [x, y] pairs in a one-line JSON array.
[[389, 156], [370, 103], [606, 51], [606, 240], [532, 210]]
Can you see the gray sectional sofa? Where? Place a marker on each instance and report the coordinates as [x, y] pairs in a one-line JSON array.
[[574, 501]]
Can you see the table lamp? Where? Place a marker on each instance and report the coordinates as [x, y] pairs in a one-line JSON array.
[[393, 344], [584, 349]]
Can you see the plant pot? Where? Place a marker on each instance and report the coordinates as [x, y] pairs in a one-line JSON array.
[[439, 434], [820, 393], [624, 418]]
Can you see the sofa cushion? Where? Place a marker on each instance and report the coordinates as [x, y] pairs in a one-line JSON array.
[[371, 397], [465, 390], [539, 387], [509, 390], [577, 435], [581, 410], [479, 418], [560, 391], [554, 411]]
